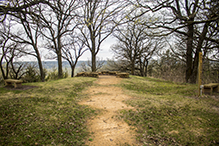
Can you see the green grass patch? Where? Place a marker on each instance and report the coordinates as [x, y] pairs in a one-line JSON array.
[[168, 113], [46, 115]]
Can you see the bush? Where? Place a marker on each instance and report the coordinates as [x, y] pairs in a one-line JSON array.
[[65, 73], [172, 70], [32, 74], [53, 74], [175, 70], [210, 72]]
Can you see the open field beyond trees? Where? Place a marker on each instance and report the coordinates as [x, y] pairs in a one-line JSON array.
[[163, 113]]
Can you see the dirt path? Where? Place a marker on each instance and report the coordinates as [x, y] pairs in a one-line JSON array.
[[108, 131]]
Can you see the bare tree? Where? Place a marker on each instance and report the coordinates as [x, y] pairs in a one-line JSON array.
[[87, 66], [117, 65], [5, 46], [136, 46], [29, 35], [17, 69], [84, 67], [12, 7], [191, 18], [98, 18], [8, 49], [9, 52], [99, 63], [25, 14], [73, 51], [57, 23]]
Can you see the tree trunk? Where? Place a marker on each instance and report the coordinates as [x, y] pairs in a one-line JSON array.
[[93, 50], [146, 68], [141, 67], [59, 58], [2, 70], [3, 73], [59, 55], [42, 74], [198, 49], [132, 67], [72, 70], [93, 57], [7, 70], [189, 52]]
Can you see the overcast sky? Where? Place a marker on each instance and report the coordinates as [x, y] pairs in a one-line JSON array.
[[104, 53]]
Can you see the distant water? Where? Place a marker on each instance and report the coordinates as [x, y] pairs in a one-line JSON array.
[[54, 64]]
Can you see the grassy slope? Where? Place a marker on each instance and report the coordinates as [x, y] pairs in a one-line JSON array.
[[171, 114], [48, 114]]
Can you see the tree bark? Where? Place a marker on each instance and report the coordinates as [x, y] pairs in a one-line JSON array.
[[3, 73], [141, 64], [146, 68], [93, 50], [93, 57], [189, 51], [198, 49], [42, 74], [59, 58], [72, 71], [133, 67], [2, 70]]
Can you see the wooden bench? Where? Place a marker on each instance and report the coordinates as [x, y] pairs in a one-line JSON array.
[[88, 74], [108, 73], [122, 75], [16, 83], [211, 87]]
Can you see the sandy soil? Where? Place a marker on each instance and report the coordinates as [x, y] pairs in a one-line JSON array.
[[108, 131]]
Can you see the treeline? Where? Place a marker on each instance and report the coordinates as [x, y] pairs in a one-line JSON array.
[[166, 67], [29, 72], [144, 31]]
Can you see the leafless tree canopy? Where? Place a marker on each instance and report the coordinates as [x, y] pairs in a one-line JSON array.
[[195, 20], [98, 19], [136, 45], [68, 28]]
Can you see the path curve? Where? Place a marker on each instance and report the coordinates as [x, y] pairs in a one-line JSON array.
[[108, 131]]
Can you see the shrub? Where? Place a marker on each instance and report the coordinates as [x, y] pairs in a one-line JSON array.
[[53, 74], [32, 74]]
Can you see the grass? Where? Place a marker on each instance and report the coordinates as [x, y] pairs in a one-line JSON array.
[[168, 113], [46, 115]]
